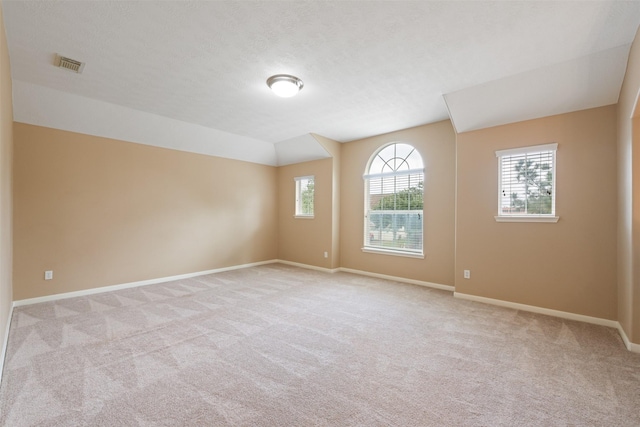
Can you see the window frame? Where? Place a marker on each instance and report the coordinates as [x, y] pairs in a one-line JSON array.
[[299, 211], [527, 217], [367, 177]]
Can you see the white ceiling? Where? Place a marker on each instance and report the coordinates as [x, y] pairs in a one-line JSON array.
[[191, 75]]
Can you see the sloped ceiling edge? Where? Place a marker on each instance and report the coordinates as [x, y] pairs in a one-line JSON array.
[[303, 148], [42, 106], [579, 84]]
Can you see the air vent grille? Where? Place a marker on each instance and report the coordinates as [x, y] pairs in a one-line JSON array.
[[70, 64]]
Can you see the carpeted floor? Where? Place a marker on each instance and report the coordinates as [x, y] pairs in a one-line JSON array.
[[281, 346]]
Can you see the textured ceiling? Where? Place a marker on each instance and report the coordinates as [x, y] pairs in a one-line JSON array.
[[368, 67]]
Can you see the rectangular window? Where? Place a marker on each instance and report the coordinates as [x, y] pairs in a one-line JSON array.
[[527, 184], [393, 216], [304, 196]]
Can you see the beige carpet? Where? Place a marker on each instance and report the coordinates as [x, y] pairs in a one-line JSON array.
[[282, 346]]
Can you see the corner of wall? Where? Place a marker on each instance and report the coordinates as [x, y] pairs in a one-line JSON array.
[[332, 146], [6, 190], [335, 149], [627, 245]]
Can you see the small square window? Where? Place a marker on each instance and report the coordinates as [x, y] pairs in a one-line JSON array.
[[527, 184], [304, 196]]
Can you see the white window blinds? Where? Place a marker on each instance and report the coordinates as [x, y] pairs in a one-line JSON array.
[[527, 181], [394, 199]]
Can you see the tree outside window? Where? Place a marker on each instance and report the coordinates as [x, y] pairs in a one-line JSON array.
[[527, 182], [305, 189], [394, 198]]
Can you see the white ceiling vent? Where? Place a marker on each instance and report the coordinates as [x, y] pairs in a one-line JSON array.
[[69, 64]]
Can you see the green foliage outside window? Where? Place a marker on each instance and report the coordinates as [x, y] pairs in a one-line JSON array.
[[538, 181], [307, 198], [409, 199], [402, 217]]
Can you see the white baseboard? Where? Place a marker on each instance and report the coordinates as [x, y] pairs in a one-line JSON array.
[[308, 266], [399, 279], [517, 306], [366, 273], [102, 289], [539, 310], [5, 342], [635, 348]]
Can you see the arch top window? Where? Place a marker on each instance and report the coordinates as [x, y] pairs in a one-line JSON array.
[[395, 158], [394, 198]]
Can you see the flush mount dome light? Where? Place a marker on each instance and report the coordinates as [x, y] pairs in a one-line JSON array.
[[284, 85]]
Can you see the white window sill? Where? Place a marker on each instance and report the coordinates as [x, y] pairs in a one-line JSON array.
[[527, 218], [394, 253], [303, 216]]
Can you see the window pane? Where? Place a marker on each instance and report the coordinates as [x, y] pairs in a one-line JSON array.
[[395, 158], [305, 188], [526, 185], [395, 230], [395, 199]]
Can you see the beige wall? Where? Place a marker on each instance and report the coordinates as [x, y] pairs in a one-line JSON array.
[[569, 265], [628, 211], [632, 294], [102, 212], [6, 197], [334, 148], [436, 144], [304, 240]]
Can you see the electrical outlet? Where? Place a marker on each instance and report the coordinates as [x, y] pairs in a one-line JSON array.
[[48, 275], [326, 254], [467, 274]]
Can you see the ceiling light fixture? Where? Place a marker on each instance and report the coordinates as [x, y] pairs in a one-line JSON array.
[[285, 85]]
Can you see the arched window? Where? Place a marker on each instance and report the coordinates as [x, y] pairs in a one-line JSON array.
[[394, 195]]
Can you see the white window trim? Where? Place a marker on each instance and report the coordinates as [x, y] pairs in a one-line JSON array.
[[551, 218], [297, 181], [529, 149], [400, 173], [407, 254], [367, 177], [528, 218], [304, 216]]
